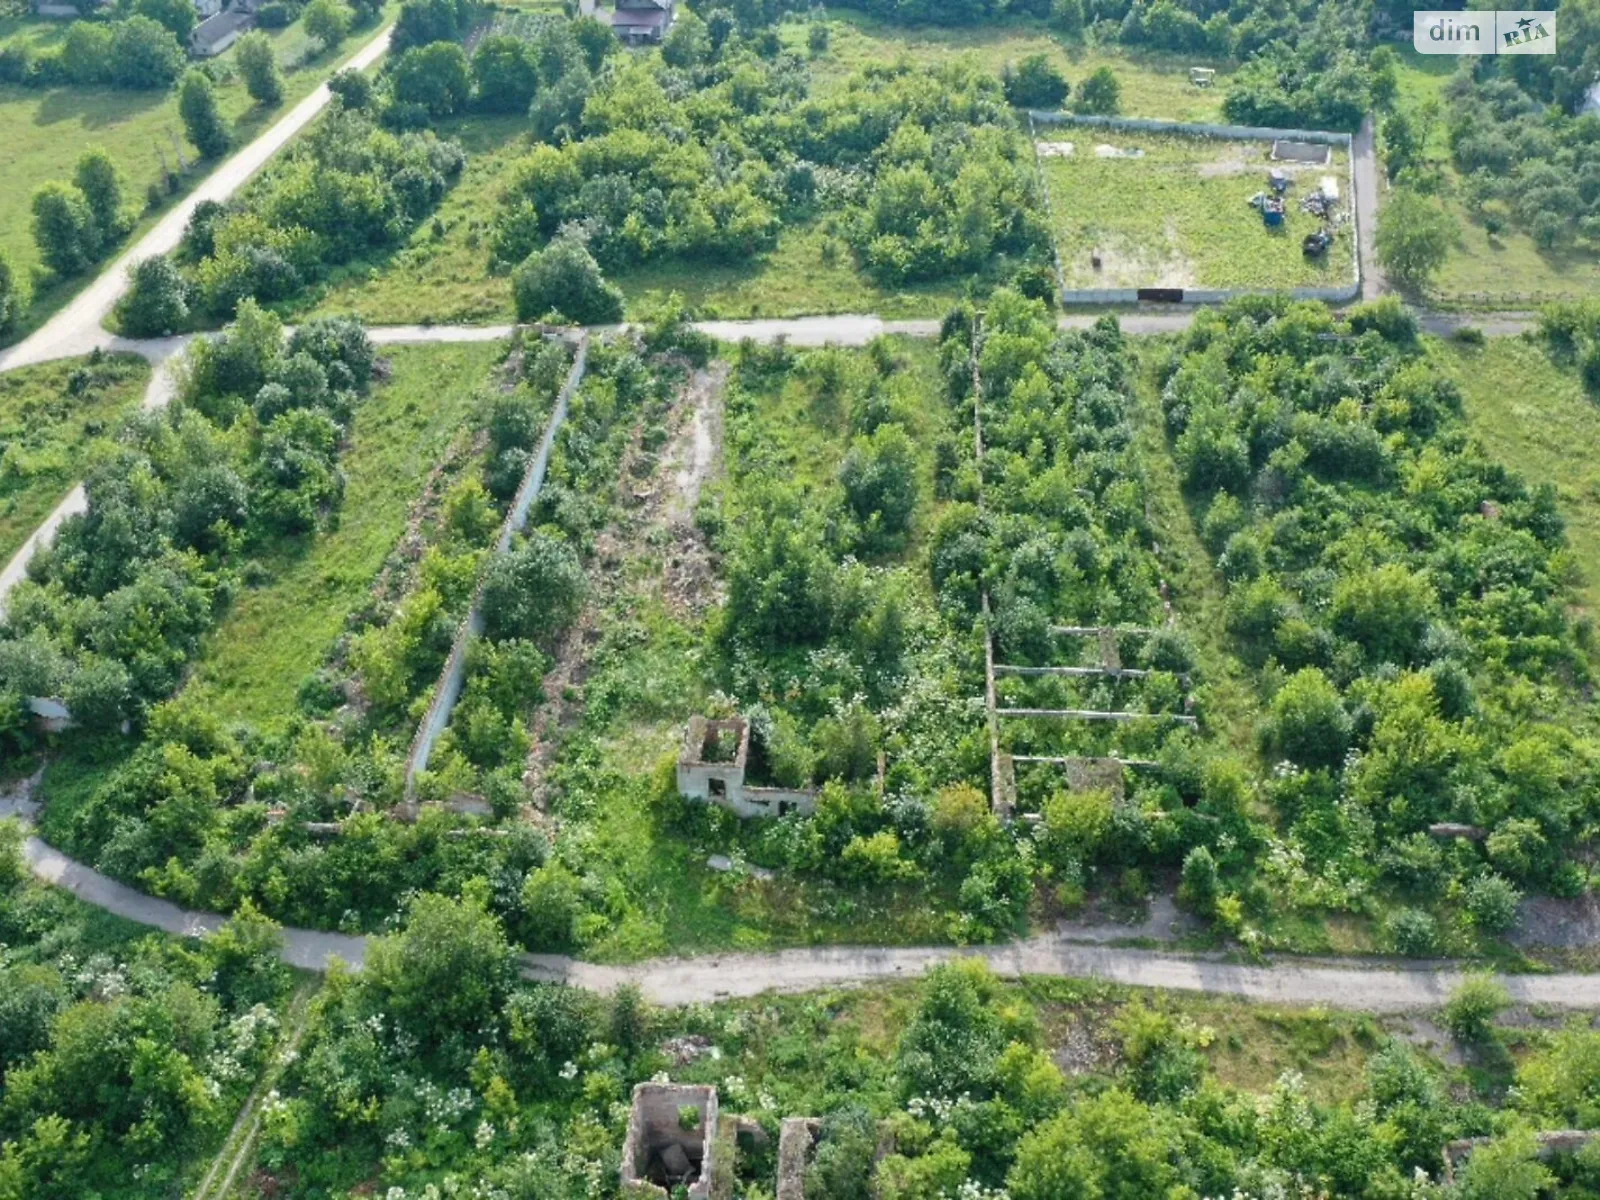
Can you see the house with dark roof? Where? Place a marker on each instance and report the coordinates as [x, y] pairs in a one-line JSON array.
[[216, 33], [643, 22]]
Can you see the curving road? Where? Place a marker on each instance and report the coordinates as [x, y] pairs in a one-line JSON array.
[[673, 981]]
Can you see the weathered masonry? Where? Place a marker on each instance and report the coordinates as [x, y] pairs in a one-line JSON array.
[[712, 767], [671, 1141]]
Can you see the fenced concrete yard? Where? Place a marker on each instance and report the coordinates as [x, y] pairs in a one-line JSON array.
[[1160, 210]]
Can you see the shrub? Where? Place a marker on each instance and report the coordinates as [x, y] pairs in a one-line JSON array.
[[97, 177], [1492, 903], [504, 75], [534, 591], [157, 302], [1414, 932], [1470, 1012], [564, 280], [1101, 93], [202, 121]]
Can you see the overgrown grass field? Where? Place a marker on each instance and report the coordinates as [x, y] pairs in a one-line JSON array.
[[1179, 215], [441, 274], [49, 432], [1153, 84], [44, 131], [1533, 416], [278, 633]]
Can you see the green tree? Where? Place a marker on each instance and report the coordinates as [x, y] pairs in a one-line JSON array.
[[1101, 93], [1199, 888], [97, 177], [436, 76], [563, 279], [1385, 611], [449, 971], [1035, 83], [13, 295], [1309, 725], [157, 300], [179, 16], [879, 476], [202, 120], [64, 228], [533, 591], [143, 54], [688, 44], [1414, 237], [1508, 1168], [259, 66], [552, 901], [504, 75], [1470, 1012], [327, 21]]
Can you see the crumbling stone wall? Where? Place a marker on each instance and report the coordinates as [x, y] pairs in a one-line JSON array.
[[659, 1152]]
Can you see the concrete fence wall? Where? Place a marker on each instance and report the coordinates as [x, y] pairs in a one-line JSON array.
[[1338, 294], [454, 676], [1196, 129]]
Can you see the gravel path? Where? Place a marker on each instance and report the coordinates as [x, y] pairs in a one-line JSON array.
[[77, 328]]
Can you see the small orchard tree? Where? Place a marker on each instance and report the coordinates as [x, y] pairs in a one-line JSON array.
[[1309, 725], [534, 591], [1470, 1012], [13, 295], [879, 476], [96, 176], [259, 67], [1414, 238], [64, 228], [328, 21], [1100, 93], [1035, 83], [179, 16], [436, 76], [504, 75], [563, 279], [157, 303], [202, 121]]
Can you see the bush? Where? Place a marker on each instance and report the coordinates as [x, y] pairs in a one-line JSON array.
[[157, 302], [354, 88], [1100, 94], [1413, 238], [1035, 83], [534, 591], [259, 66], [564, 280], [1492, 902], [1414, 933], [1469, 1015], [202, 121], [504, 75]]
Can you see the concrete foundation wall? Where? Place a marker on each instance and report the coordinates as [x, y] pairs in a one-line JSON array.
[[797, 1140], [653, 1126], [451, 680], [1198, 129]]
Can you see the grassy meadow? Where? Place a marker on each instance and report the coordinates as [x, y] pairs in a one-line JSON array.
[[279, 632], [44, 131], [49, 432]]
